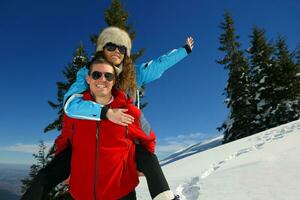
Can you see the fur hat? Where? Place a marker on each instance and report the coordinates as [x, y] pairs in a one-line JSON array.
[[116, 36]]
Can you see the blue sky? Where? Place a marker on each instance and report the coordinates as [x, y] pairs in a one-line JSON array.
[[38, 39]]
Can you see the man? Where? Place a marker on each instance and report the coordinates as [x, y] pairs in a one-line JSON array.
[[103, 153]]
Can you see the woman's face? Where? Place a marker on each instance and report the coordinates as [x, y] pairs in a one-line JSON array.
[[114, 56]]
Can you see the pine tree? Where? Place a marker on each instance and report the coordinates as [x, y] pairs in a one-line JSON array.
[[237, 90], [42, 158], [297, 56], [286, 82], [41, 161], [80, 59], [261, 65]]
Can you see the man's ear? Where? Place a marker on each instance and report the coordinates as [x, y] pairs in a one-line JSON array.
[[87, 78]]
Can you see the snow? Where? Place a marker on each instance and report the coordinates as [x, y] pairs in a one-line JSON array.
[[261, 104], [258, 69], [263, 80], [192, 149], [263, 166], [261, 53], [78, 58], [280, 88], [261, 89], [257, 95]]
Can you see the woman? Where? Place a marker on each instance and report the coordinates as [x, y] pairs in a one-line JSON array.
[[103, 153]]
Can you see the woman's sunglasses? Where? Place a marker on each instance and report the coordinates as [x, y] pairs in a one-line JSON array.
[[112, 47], [107, 75]]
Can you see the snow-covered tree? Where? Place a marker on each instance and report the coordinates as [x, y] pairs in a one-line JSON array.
[[286, 83], [237, 91], [261, 65]]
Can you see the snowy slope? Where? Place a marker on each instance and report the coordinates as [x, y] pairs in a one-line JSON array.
[[264, 166], [195, 148]]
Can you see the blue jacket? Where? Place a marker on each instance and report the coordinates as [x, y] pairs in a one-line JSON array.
[[76, 107]]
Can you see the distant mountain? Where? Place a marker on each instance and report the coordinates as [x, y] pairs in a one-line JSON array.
[[192, 149], [10, 178], [7, 195]]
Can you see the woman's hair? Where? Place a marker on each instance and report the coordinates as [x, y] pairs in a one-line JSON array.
[[127, 78]]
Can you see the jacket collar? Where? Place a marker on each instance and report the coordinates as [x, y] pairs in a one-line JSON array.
[[120, 98]]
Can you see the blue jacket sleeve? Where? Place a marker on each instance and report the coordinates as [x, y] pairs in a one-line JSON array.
[[78, 108], [154, 69], [75, 106], [79, 86]]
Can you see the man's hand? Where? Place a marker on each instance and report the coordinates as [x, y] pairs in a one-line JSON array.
[[118, 116]]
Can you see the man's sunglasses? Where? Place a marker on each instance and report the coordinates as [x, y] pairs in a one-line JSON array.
[[108, 76], [112, 47]]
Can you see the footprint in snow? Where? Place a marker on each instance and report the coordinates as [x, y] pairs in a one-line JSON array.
[[190, 190]]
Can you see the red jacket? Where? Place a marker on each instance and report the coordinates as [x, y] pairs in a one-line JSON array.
[[103, 153]]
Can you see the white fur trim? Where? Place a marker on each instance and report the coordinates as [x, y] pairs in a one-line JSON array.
[[78, 116], [74, 96], [166, 195], [119, 69]]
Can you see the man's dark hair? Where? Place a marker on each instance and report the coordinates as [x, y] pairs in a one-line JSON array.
[[100, 60]]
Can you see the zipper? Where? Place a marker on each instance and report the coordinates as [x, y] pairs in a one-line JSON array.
[[96, 160], [127, 138], [73, 132]]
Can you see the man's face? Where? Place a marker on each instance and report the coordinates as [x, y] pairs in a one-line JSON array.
[[100, 81]]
